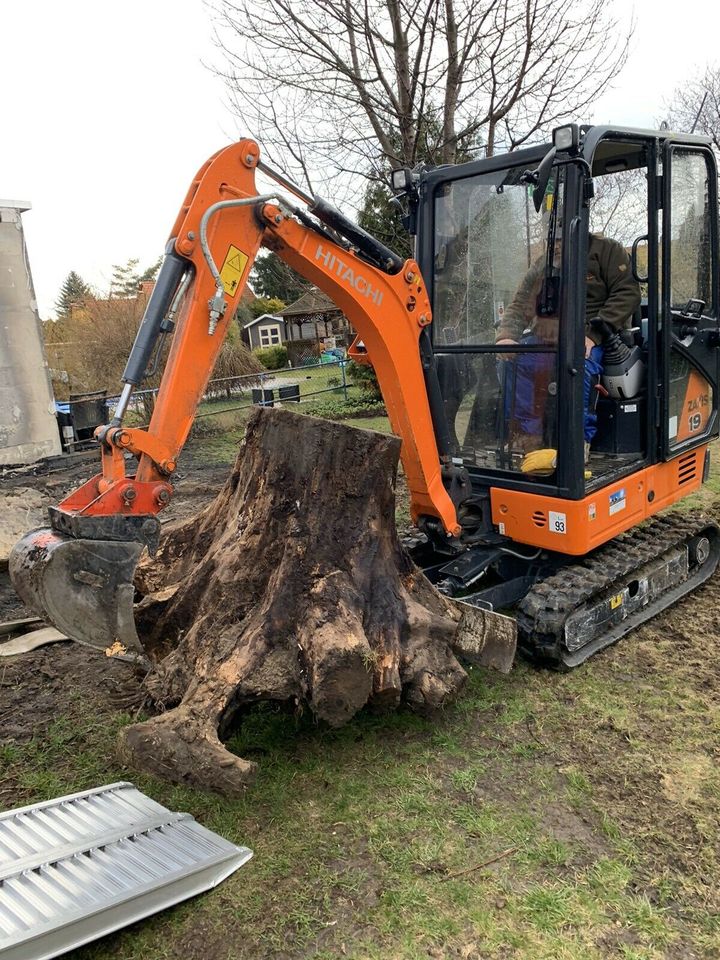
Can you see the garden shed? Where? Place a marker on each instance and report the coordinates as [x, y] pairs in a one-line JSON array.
[[267, 330]]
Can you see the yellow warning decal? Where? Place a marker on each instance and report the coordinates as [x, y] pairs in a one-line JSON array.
[[233, 269], [616, 601]]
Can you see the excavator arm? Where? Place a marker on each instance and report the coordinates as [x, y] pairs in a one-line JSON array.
[[79, 572]]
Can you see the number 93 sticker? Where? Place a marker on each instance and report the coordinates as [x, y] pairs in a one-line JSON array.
[[557, 522]]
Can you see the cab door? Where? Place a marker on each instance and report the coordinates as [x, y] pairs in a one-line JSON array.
[[689, 336]]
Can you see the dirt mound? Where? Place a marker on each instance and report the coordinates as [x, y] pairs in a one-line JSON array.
[[21, 509]]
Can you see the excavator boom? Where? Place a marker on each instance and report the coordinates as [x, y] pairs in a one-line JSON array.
[[78, 573]]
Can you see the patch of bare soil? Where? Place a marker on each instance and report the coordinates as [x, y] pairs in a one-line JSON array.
[[67, 679], [33, 684], [21, 509], [569, 826], [27, 492], [11, 606], [196, 485], [655, 771], [205, 939], [64, 679]]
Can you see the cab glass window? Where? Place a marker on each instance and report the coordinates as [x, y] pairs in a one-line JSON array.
[[690, 241], [497, 280], [487, 237]]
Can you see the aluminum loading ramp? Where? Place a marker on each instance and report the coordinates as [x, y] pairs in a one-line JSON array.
[[82, 866]]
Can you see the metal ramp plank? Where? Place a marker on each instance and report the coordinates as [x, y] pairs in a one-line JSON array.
[[79, 867]]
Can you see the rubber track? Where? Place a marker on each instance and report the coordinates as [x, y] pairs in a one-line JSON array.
[[544, 610]]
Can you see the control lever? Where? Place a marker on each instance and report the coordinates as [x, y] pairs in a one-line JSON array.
[[623, 366], [616, 351]]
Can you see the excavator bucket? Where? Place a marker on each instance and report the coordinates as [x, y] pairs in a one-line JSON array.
[[83, 587], [485, 638]]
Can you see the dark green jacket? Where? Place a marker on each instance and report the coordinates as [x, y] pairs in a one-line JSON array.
[[611, 293]]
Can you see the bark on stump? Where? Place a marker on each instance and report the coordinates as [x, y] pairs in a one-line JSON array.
[[291, 586]]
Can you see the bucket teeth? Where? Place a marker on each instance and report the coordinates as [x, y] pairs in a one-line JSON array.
[[83, 587]]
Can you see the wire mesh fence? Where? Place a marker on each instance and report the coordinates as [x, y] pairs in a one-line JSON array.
[[303, 386], [266, 388]]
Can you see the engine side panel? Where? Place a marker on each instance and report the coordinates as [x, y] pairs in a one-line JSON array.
[[575, 527]]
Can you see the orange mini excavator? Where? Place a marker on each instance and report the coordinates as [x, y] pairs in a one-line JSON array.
[[528, 486]]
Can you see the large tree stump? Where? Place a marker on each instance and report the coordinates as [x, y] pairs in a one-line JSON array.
[[291, 586]]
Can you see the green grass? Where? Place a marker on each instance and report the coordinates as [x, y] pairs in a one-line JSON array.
[[323, 380], [541, 817], [381, 424], [219, 425], [374, 840]]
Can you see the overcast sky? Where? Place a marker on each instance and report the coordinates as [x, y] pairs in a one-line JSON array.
[[108, 111]]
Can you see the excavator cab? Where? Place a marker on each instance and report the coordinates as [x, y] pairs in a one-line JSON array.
[[558, 458], [483, 247]]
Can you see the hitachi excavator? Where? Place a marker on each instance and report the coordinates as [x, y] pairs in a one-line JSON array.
[[519, 509]]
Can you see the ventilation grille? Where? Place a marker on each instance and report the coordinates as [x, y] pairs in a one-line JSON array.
[[687, 467], [539, 518]]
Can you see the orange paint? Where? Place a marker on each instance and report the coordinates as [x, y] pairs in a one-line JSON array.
[[575, 527], [696, 409], [389, 313]]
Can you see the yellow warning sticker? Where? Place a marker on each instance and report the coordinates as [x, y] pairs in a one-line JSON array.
[[233, 269], [616, 601]]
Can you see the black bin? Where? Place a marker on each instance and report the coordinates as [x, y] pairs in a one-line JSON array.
[[620, 426], [290, 393], [262, 396], [65, 425], [88, 411]]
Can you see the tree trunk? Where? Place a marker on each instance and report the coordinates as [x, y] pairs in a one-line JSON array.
[[291, 586]]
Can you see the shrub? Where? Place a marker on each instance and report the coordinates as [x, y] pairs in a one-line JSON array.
[[272, 358], [336, 408], [363, 376], [92, 343]]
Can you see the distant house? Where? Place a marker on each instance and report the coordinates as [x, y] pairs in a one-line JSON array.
[[304, 327], [267, 330]]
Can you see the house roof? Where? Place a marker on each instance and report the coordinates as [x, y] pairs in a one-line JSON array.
[[264, 316], [314, 301]]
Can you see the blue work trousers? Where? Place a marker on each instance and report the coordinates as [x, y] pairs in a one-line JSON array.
[[526, 381]]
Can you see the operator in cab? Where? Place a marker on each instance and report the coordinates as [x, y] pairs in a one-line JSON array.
[[612, 295]]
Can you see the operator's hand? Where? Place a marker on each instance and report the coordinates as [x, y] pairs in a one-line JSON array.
[[589, 344], [505, 356]]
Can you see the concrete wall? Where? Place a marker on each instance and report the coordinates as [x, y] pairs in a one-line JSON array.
[[28, 428]]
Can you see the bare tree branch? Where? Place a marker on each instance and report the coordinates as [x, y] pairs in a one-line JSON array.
[[696, 105], [365, 86]]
